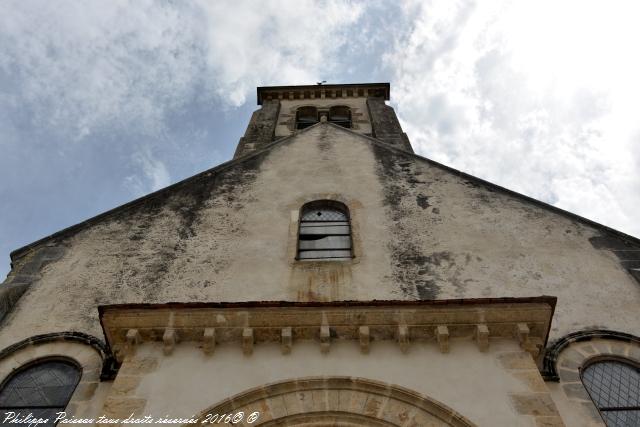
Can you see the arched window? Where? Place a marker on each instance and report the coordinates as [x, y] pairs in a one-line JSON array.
[[325, 232], [340, 116], [614, 387], [306, 116], [42, 389]]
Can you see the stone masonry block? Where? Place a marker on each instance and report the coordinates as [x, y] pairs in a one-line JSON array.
[[532, 379], [549, 422], [537, 404], [141, 365], [125, 384], [122, 407]]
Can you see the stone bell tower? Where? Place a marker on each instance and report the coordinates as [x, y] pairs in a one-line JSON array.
[[286, 109]]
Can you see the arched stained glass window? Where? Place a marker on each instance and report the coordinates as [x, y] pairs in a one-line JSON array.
[[41, 389], [614, 387], [325, 232]]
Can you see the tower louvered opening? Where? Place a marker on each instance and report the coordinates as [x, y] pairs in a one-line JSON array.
[[341, 116], [306, 116]]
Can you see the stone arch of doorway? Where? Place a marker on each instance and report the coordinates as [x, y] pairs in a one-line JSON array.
[[338, 401]]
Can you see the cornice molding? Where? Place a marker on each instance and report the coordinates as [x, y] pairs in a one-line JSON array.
[[525, 320], [353, 90]]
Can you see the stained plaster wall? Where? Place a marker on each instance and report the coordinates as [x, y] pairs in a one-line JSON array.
[[486, 388], [457, 238], [419, 231], [229, 236]]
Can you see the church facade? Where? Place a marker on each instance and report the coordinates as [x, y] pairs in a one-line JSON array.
[[326, 275]]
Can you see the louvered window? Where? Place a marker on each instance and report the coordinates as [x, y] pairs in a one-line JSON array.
[[306, 116], [41, 389], [614, 387], [340, 116], [325, 232]]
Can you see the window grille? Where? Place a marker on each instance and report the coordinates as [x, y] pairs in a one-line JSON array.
[[325, 232], [41, 389], [614, 387], [306, 116], [340, 116]]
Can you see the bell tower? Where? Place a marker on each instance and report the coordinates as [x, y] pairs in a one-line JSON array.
[[286, 110]]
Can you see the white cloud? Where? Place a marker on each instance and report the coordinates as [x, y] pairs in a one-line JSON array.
[[85, 67], [541, 98], [276, 43], [116, 73], [154, 174]]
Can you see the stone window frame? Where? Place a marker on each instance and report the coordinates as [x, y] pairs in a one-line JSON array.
[[85, 357], [319, 205], [353, 206], [585, 348]]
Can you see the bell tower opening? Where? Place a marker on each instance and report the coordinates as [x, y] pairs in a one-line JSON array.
[[286, 110]]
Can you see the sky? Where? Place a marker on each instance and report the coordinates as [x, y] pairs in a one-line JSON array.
[[103, 102]]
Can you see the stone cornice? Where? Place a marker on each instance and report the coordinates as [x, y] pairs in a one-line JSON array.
[[526, 320], [356, 90]]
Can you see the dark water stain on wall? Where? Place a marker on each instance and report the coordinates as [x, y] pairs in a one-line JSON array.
[[422, 201], [145, 269], [411, 269]]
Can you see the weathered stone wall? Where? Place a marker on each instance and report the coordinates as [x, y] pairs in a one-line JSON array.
[[454, 237], [229, 235], [386, 126], [419, 231], [261, 129]]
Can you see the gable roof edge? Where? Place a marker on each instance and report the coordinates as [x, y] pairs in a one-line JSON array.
[[24, 250], [494, 186]]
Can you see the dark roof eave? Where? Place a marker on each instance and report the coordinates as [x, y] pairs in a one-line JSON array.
[[543, 299]]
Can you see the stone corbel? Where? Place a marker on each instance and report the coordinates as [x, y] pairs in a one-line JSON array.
[[247, 341], [442, 335], [522, 332], [132, 340], [482, 336], [209, 340], [169, 339], [365, 338], [325, 338], [403, 338], [286, 340]]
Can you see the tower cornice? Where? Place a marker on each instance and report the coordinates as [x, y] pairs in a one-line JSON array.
[[347, 90]]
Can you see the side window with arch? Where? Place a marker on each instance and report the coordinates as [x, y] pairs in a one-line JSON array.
[[614, 387], [341, 116], [306, 116], [325, 231], [41, 388]]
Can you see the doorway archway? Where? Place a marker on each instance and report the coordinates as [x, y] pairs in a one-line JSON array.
[[337, 401]]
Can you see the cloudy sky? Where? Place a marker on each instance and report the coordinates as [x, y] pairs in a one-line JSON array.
[[102, 102]]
